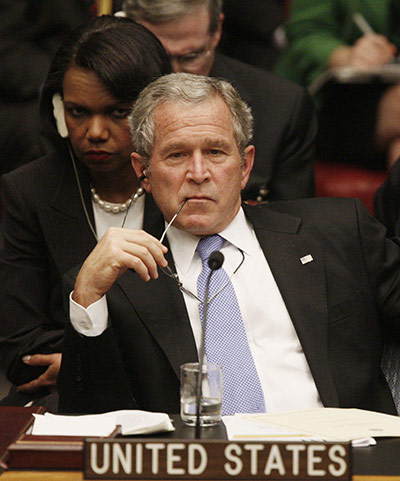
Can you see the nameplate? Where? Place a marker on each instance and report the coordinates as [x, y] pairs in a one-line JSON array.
[[153, 459]]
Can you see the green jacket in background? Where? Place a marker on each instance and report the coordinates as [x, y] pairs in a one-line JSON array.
[[316, 27]]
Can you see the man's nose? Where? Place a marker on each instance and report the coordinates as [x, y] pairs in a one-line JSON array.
[[198, 170], [176, 66]]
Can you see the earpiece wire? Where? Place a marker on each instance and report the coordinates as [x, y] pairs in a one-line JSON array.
[[81, 193]]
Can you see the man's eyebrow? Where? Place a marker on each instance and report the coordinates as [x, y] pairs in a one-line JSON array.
[[208, 142], [194, 51], [216, 142], [174, 145]]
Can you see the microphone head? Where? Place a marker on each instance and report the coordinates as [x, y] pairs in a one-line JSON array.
[[215, 260]]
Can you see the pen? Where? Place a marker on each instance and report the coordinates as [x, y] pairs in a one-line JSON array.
[[362, 24]]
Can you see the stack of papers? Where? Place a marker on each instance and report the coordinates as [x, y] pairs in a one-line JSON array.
[[245, 427], [326, 424], [130, 422], [385, 74]]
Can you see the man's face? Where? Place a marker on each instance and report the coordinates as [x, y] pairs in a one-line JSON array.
[[97, 122], [188, 41], [196, 158]]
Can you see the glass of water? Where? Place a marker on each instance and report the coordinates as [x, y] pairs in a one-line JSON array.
[[210, 386]]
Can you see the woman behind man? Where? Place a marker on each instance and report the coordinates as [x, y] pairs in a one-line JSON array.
[[58, 206]]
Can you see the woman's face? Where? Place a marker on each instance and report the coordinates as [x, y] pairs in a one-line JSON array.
[[97, 122]]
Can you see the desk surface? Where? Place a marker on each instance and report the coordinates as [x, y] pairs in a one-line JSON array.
[[374, 463], [78, 476]]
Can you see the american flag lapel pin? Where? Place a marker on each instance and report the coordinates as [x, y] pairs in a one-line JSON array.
[[306, 259]]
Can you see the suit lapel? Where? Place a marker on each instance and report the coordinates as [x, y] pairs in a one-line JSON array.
[[302, 286], [64, 222], [221, 69], [160, 304]]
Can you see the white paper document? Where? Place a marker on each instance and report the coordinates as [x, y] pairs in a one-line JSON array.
[[240, 428], [332, 424], [131, 422], [384, 74]]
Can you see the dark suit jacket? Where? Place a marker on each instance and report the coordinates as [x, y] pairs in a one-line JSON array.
[[249, 28], [284, 131], [46, 233], [387, 201], [339, 304]]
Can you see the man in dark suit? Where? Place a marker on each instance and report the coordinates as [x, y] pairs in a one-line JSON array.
[[285, 125], [316, 280], [387, 201]]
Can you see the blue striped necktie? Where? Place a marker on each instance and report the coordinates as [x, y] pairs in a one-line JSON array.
[[225, 337]]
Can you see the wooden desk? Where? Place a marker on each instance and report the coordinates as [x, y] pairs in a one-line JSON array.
[[78, 476], [374, 463]]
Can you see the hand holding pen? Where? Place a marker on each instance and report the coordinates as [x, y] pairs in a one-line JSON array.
[[371, 49]]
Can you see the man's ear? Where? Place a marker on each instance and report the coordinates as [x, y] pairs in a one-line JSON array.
[[218, 32], [140, 170], [248, 163]]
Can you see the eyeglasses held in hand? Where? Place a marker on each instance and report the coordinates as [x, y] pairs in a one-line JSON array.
[[174, 275]]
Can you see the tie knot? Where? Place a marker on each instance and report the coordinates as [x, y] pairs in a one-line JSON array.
[[207, 245]]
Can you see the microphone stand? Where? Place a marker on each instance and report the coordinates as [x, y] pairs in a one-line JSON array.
[[215, 261], [199, 391]]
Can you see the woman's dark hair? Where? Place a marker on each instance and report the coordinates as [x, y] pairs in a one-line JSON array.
[[124, 55]]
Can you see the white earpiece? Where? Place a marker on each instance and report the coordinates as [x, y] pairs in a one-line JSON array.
[[59, 115]]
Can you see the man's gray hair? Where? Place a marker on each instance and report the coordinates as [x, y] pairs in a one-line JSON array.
[[158, 11], [188, 89]]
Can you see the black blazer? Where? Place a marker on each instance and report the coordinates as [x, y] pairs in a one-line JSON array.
[[340, 303], [387, 201], [284, 131], [46, 233]]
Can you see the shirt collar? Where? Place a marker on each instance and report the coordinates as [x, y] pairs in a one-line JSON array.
[[183, 245], [239, 233]]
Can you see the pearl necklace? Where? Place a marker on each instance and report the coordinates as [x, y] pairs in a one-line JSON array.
[[110, 206]]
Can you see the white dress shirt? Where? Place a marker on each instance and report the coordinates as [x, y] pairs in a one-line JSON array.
[[280, 362]]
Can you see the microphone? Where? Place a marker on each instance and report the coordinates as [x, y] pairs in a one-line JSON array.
[[215, 261]]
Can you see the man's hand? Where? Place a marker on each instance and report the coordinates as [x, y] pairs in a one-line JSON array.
[[118, 250], [49, 378]]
